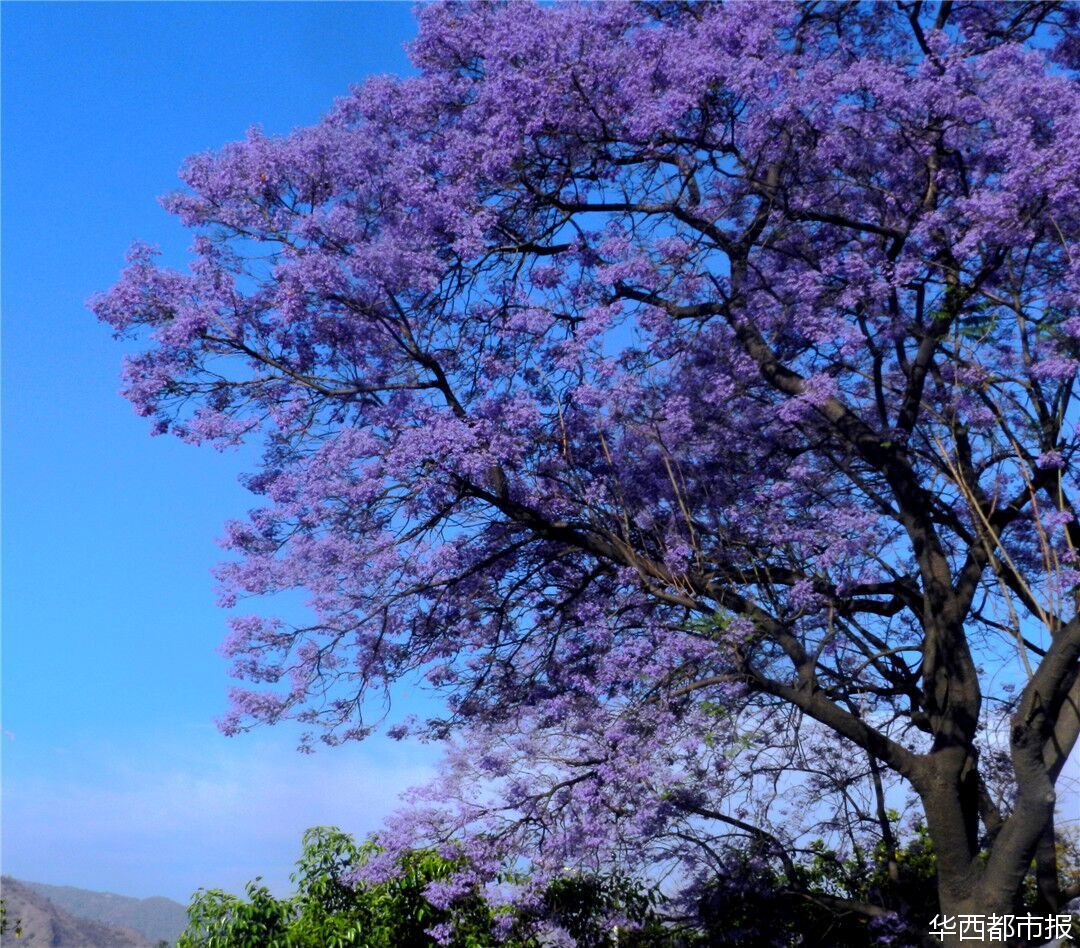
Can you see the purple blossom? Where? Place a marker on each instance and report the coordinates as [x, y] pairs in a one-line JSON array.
[[643, 379]]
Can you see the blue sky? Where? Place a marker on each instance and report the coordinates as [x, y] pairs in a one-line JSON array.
[[113, 774]]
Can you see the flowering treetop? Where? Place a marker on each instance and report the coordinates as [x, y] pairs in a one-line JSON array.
[[635, 362]]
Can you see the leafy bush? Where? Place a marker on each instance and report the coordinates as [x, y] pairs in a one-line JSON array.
[[871, 897], [328, 910]]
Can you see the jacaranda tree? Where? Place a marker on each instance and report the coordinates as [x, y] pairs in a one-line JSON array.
[[686, 392]]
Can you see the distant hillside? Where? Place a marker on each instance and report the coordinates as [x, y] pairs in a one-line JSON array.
[[157, 919], [45, 925]]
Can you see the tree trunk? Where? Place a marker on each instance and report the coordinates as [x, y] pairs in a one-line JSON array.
[[979, 888], [967, 898], [1048, 895]]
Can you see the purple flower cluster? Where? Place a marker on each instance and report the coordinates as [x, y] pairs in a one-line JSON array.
[[629, 374]]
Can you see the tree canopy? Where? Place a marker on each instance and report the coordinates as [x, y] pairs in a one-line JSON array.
[[746, 904], [686, 392], [330, 910]]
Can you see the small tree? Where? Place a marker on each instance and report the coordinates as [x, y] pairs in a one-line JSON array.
[[688, 392], [330, 910]]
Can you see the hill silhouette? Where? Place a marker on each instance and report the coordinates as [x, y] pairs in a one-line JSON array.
[[51, 912], [45, 925]]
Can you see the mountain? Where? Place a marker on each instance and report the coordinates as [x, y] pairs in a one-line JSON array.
[[45, 925], [156, 919]]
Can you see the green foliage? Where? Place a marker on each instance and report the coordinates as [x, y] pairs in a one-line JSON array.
[[581, 904], [828, 899], [327, 911], [820, 902], [872, 876], [749, 902]]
